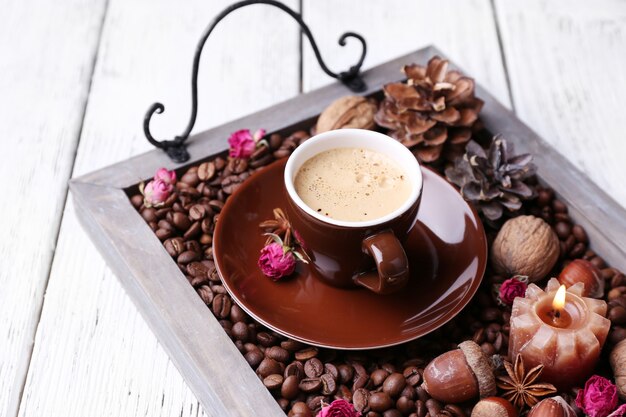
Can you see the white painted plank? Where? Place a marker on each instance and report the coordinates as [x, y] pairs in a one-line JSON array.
[[94, 355], [46, 60], [464, 30], [566, 62]]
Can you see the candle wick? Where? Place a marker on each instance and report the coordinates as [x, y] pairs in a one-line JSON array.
[[557, 314]]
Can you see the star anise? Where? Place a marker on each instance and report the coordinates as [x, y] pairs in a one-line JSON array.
[[280, 226], [522, 388]]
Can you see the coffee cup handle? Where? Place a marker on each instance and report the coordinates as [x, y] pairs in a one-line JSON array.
[[391, 263]]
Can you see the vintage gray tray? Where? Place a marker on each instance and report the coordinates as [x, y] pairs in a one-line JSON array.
[[217, 373]]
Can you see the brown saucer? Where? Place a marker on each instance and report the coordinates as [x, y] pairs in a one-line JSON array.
[[447, 250]]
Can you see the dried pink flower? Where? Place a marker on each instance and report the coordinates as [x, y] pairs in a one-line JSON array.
[[242, 143], [168, 177], [276, 262], [155, 193], [598, 398], [338, 408], [512, 288], [620, 412]]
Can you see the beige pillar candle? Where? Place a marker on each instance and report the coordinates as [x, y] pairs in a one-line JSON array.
[[565, 333]]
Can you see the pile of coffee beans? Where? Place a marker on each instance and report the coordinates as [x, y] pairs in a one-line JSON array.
[[379, 383]]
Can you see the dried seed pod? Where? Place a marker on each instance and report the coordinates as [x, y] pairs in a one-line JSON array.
[[494, 407], [526, 245], [583, 271], [348, 112], [460, 375]]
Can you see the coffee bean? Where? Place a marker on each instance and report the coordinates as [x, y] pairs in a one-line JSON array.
[[291, 345], [181, 221], [206, 225], [289, 389], [206, 239], [544, 197], [313, 368], [277, 353], [206, 171], [193, 231], [617, 315], [295, 369], [580, 234], [577, 250], [412, 375], [314, 402], [378, 377], [380, 402], [563, 230], [433, 407], [346, 373], [163, 234], [237, 314], [360, 380], [205, 294], [329, 386], [254, 357], [360, 399], [240, 331], [265, 339], [617, 335], [490, 314], [420, 408], [164, 224], [149, 214], [187, 257], [309, 385], [331, 369], [197, 269], [559, 206], [273, 381], [268, 366], [307, 353], [394, 384], [174, 246], [197, 212], [190, 178], [455, 410], [392, 413], [408, 392], [221, 305]]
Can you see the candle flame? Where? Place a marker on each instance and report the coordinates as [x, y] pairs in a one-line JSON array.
[[559, 299]]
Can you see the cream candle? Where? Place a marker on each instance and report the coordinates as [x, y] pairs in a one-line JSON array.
[[561, 330]]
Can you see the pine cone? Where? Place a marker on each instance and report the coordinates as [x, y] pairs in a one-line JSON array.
[[434, 111], [493, 181]]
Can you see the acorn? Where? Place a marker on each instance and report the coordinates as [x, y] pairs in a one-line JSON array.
[[552, 407], [460, 375], [580, 270], [494, 407]]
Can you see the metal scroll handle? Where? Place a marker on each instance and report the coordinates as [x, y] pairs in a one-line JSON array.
[[176, 148]]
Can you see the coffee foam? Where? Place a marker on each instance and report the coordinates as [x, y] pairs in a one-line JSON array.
[[352, 184]]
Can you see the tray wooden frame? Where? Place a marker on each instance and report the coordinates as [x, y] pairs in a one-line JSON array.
[[214, 369]]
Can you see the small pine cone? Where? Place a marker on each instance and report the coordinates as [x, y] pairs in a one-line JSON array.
[[435, 111]]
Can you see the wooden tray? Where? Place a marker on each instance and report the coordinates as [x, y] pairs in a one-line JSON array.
[[217, 373]]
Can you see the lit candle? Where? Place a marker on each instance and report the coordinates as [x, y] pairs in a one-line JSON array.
[[560, 329]]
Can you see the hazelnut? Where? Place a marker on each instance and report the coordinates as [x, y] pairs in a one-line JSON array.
[[460, 375], [583, 271], [618, 365], [494, 407], [552, 407], [348, 112], [525, 245]]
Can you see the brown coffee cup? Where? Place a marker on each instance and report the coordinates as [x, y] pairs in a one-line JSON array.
[[348, 254]]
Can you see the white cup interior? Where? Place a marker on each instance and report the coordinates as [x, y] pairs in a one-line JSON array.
[[354, 138]]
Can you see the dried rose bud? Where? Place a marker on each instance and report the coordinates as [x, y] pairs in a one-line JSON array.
[[275, 262], [242, 143], [155, 193], [168, 177]]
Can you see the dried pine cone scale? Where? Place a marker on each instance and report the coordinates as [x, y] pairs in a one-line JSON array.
[[493, 180], [434, 111]]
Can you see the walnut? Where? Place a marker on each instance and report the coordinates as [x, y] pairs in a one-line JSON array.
[[348, 112], [526, 245]]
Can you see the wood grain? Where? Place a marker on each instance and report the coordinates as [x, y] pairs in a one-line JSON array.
[[566, 65], [94, 354], [47, 51], [465, 30]]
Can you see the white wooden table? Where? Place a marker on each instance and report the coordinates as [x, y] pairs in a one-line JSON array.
[[76, 77]]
